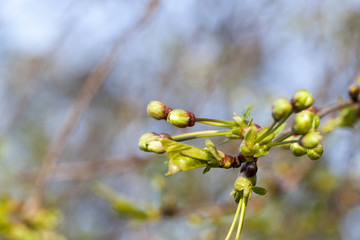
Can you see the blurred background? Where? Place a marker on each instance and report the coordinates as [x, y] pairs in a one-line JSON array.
[[75, 80]]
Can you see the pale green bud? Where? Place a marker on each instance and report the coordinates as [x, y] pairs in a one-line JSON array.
[[297, 150], [301, 100], [181, 118], [303, 122], [310, 140], [142, 140], [154, 144], [280, 108], [315, 153], [158, 110]]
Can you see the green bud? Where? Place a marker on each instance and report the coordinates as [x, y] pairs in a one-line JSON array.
[[241, 183], [310, 140], [158, 110], [354, 91], [301, 100], [154, 144], [280, 108], [142, 140], [303, 122], [315, 153], [181, 118], [297, 150]]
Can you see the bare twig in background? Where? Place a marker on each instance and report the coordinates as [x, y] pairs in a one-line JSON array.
[[87, 170], [86, 94], [39, 65]]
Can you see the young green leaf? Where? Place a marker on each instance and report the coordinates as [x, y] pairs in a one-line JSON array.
[[246, 112], [259, 190], [279, 130]]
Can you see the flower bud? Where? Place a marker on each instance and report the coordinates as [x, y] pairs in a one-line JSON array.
[[249, 169], [315, 153], [242, 183], [297, 150], [142, 140], [154, 144], [280, 108], [301, 100], [181, 118], [310, 140], [303, 122], [158, 110], [354, 91]]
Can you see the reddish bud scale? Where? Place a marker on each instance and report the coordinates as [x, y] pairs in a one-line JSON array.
[[192, 119], [165, 135], [231, 161]]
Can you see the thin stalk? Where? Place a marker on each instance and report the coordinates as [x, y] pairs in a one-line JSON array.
[[200, 134], [283, 137], [264, 135], [235, 219], [216, 122], [273, 129], [282, 143], [242, 217]]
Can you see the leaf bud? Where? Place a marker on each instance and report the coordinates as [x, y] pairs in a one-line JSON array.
[[303, 122], [315, 153], [301, 100], [181, 118], [280, 108], [158, 110], [297, 150], [354, 91], [310, 140], [249, 169], [142, 140]]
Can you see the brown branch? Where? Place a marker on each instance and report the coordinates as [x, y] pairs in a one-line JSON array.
[[86, 94], [326, 110]]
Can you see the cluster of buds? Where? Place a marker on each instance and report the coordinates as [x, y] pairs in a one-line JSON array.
[[177, 117], [303, 137], [313, 153], [305, 123], [283, 107]]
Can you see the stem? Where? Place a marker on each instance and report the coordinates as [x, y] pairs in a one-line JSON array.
[[200, 134], [242, 217], [289, 134], [274, 128], [266, 133], [216, 122], [282, 143], [235, 219]]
